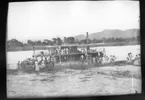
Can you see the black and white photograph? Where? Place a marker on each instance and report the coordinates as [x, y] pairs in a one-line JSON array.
[[73, 48]]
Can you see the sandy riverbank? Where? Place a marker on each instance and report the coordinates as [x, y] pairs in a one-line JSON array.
[[93, 81]]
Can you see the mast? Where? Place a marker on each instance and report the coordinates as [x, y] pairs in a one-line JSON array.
[[87, 49], [60, 54], [87, 37], [33, 50], [59, 46]]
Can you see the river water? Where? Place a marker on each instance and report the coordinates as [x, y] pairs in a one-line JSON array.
[[70, 82]]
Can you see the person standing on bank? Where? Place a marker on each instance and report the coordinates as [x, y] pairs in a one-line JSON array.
[[36, 67], [104, 52], [19, 64]]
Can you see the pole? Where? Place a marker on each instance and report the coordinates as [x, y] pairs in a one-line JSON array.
[[60, 54], [87, 49], [132, 84], [33, 51], [87, 34]]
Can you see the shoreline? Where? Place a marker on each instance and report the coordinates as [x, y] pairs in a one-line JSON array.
[[44, 47]]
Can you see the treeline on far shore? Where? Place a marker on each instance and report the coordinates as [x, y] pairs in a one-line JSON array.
[[15, 45]]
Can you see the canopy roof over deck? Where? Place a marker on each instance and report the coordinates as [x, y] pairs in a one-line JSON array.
[[69, 45]]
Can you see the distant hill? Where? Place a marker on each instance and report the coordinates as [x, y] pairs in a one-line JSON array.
[[111, 33], [80, 37]]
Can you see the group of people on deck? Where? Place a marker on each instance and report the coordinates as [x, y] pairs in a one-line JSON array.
[[130, 58], [42, 61], [101, 57], [38, 61]]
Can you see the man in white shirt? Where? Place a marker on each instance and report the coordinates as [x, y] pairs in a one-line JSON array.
[[36, 66]]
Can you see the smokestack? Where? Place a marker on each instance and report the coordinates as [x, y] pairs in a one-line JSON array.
[[87, 37], [87, 34]]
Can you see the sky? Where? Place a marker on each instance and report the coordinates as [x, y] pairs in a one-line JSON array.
[[51, 19]]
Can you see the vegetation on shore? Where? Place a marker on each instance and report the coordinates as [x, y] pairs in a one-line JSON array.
[[15, 45]]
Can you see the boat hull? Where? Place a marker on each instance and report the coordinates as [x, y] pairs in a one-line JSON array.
[[119, 63], [31, 68], [74, 65]]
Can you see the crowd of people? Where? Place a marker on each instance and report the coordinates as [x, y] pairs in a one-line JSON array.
[[100, 57], [104, 59], [38, 61], [135, 60]]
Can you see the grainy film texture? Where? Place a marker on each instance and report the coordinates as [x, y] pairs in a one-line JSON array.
[[74, 48]]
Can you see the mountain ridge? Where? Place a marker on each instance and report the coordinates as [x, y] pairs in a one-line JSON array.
[[116, 33]]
